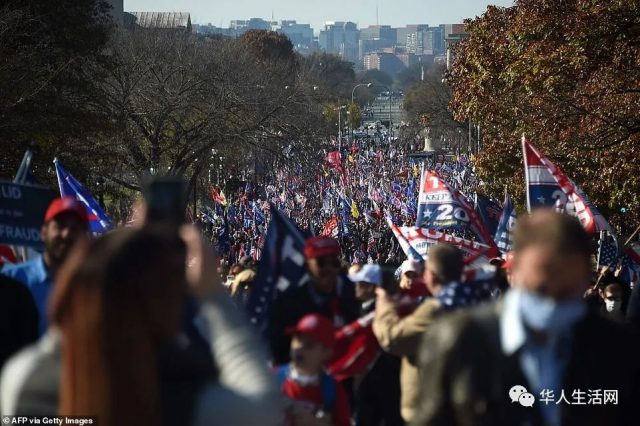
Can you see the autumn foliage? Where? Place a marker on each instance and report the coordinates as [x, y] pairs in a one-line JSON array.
[[566, 73]]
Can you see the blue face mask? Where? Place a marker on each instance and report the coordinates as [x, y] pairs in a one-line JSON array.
[[543, 313]]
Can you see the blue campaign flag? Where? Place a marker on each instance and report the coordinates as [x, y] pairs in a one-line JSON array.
[[258, 214], [232, 214], [411, 189], [99, 222], [505, 226], [247, 219], [489, 212], [345, 203], [224, 241], [281, 268], [440, 206]]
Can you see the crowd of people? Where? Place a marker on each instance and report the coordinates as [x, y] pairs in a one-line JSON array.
[[346, 198], [148, 324]]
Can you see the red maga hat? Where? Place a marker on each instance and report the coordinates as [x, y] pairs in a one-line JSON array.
[[315, 326], [64, 205], [321, 246]]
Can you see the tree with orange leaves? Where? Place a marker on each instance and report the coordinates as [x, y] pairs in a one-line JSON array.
[[566, 73]]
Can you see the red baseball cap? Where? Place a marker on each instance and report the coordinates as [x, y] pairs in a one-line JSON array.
[[317, 327], [321, 246], [63, 205]]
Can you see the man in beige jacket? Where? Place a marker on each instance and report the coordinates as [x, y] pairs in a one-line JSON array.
[[402, 336]]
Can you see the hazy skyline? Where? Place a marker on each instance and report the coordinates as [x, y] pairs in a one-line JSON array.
[[363, 12]]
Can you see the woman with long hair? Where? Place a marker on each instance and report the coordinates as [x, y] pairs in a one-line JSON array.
[[117, 310]]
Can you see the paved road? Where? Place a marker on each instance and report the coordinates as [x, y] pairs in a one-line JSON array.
[[380, 109]]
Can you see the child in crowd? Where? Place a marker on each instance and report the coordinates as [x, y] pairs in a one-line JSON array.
[[313, 396]]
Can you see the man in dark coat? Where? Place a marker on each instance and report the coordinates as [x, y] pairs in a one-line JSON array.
[[326, 293], [537, 357]]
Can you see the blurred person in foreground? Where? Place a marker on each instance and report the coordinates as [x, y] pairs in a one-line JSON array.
[[326, 293], [314, 397], [242, 286], [115, 351], [18, 317], [540, 336], [401, 335], [65, 223]]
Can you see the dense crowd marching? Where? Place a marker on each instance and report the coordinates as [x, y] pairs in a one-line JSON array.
[[345, 198], [118, 327]]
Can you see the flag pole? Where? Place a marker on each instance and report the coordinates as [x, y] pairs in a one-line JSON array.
[[631, 237]]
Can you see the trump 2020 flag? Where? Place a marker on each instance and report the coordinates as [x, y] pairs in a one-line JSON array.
[[280, 269], [437, 206], [442, 207], [548, 186], [99, 222], [505, 225]]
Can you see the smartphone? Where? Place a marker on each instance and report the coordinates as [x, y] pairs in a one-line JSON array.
[[166, 201]]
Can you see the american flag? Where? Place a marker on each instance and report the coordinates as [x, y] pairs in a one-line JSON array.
[[371, 245], [607, 252], [255, 252], [461, 295]]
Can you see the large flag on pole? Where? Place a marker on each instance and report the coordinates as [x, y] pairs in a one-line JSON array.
[[416, 242], [281, 267], [548, 186], [505, 225], [442, 207], [489, 212], [99, 222]]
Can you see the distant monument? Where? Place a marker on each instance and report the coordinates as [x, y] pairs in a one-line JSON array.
[[428, 143]]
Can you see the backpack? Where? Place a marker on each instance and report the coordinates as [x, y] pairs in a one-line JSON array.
[[328, 387]]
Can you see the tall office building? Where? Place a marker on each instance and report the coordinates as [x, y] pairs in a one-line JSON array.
[[374, 38], [241, 25], [340, 38], [299, 34]]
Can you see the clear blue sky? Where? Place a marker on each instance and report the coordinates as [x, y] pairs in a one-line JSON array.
[[316, 12]]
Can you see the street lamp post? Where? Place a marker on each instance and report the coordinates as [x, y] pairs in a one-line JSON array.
[[358, 85], [352, 94], [340, 126]]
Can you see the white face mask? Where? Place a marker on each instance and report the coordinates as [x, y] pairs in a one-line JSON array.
[[612, 305]]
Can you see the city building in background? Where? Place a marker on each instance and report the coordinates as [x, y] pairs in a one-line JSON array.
[[180, 21], [241, 25], [301, 36], [385, 61], [340, 38], [380, 47]]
